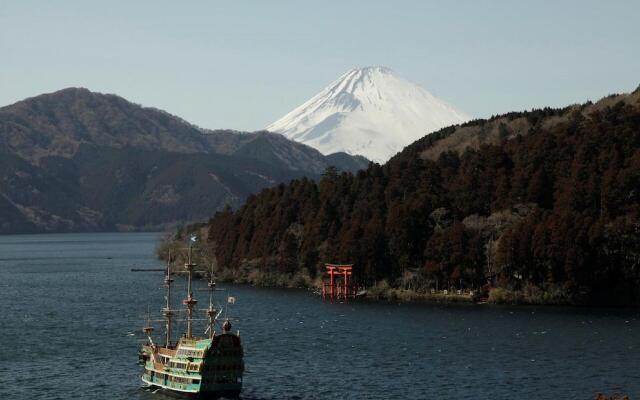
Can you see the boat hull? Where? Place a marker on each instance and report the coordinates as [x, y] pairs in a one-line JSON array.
[[229, 391], [207, 367]]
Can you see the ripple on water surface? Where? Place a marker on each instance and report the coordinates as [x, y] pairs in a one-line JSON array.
[[73, 312]]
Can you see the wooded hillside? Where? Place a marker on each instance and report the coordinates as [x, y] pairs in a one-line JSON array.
[[75, 160], [546, 203]]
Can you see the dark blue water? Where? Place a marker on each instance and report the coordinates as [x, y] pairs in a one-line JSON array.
[[72, 312]]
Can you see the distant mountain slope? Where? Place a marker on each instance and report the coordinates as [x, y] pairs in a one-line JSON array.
[[56, 124], [77, 160], [544, 205], [368, 111]]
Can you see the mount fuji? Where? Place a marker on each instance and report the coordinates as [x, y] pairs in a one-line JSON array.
[[368, 111]]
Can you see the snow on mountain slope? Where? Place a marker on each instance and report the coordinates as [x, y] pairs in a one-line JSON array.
[[368, 111]]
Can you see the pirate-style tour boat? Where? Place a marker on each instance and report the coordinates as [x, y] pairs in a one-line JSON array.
[[210, 366]]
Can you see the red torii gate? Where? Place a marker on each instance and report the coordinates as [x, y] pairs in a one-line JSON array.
[[338, 290]]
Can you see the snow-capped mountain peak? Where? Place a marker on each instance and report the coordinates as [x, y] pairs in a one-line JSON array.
[[368, 111]]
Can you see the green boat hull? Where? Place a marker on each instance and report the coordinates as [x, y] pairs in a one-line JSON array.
[[210, 367]]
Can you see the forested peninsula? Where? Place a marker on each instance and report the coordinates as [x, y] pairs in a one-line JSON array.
[[530, 207]]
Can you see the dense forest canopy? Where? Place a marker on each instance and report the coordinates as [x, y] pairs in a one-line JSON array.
[[546, 201]]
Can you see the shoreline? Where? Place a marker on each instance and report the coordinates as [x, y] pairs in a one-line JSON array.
[[413, 297], [527, 294], [385, 292]]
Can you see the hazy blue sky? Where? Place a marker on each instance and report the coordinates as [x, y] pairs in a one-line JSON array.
[[242, 64]]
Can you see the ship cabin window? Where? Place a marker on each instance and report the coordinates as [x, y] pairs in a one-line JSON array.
[[176, 379], [176, 364], [190, 353]]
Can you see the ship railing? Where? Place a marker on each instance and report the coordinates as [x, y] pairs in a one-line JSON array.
[[188, 342], [159, 366], [167, 352]]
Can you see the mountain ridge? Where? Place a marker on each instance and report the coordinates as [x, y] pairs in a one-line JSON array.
[[57, 137]]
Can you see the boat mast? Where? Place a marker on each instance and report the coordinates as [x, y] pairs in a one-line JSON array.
[[148, 328], [190, 302], [211, 312], [168, 313]]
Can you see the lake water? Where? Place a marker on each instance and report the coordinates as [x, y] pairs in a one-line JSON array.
[[72, 313]]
